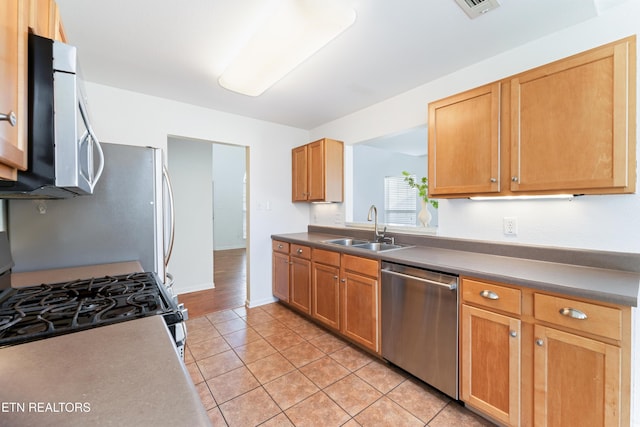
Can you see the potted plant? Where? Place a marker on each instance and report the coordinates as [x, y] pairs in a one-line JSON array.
[[423, 192]]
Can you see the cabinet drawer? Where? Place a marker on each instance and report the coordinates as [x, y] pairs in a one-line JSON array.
[[279, 246], [326, 257], [360, 265], [583, 316], [492, 296], [301, 251]]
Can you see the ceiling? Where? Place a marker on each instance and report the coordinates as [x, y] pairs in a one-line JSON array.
[[177, 50]]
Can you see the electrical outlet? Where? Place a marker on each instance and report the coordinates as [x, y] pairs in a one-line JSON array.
[[510, 225]]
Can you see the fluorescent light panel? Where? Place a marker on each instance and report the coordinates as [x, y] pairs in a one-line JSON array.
[[295, 30]]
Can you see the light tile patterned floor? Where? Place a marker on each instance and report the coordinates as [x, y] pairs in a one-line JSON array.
[[269, 366]]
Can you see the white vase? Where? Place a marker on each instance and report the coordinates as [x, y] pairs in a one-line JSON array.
[[424, 216]]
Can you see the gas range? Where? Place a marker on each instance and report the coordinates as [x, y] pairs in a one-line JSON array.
[[47, 310]]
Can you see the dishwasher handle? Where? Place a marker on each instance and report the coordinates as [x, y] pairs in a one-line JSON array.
[[449, 286]]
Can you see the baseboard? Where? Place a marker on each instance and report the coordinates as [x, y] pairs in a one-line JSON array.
[[258, 303], [193, 288], [229, 247]]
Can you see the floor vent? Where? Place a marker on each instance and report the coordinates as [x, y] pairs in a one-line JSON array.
[[475, 8]]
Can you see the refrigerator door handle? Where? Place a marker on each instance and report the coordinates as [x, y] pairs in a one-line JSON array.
[[172, 222]]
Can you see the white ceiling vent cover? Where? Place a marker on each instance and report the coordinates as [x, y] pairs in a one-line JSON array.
[[475, 8]]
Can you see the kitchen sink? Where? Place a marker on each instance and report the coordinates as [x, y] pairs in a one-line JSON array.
[[379, 246], [365, 244], [346, 242]]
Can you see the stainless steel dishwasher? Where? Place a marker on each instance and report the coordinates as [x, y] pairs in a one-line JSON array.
[[420, 324]]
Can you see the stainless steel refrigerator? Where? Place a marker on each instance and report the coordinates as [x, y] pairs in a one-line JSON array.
[[129, 217]]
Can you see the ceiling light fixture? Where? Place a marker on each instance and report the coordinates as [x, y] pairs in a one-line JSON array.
[[295, 30]]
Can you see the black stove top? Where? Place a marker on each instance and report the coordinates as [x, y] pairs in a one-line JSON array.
[[47, 310]]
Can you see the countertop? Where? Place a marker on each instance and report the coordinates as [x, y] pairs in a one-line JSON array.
[[126, 374], [607, 285]]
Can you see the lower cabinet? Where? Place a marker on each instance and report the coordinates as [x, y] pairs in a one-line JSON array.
[[340, 291], [533, 358], [490, 363], [300, 278], [360, 305]]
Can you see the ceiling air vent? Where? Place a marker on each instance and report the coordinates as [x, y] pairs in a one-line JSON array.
[[475, 8]]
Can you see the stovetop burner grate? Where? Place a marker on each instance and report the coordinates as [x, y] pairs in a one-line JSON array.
[[47, 310]]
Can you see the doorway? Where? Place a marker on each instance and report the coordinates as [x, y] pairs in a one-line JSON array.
[[211, 193]]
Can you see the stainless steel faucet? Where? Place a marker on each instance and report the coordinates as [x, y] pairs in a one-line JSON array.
[[377, 236]]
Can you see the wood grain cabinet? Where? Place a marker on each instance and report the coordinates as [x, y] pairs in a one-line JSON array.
[[360, 304], [318, 171], [280, 270], [325, 283], [44, 20], [490, 350], [300, 278], [14, 18], [464, 150], [565, 127], [534, 358]]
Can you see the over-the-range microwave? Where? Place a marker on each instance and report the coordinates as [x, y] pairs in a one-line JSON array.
[[64, 156]]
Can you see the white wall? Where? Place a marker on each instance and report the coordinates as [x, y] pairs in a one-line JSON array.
[[133, 118], [592, 222], [228, 173], [189, 165]]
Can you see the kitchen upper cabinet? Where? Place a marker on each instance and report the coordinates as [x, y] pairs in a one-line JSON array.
[[464, 142], [280, 270], [565, 127], [14, 16], [573, 122], [318, 171], [300, 278], [325, 284], [360, 303], [44, 20]]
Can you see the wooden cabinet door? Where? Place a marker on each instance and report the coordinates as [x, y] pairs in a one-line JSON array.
[[360, 308], [570, 123], [326, 294], [14, 19], [576, 380], [300, 285], [490, 363], [299, 174], [316, 171], [464, 144], [280, 279]]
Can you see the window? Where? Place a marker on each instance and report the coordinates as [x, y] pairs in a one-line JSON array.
[[400, 201]]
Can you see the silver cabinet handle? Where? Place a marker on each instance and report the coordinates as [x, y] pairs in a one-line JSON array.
[[279, 246], [513, 334], [514, 178], [343, 280], [573, 313], [11, 118], [335, 277], [539, 342], [299, 251], [489, 294], [493, 180]]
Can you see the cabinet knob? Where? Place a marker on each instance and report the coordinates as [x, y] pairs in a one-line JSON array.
[[514, 178], [299, 251], [343, 280], [10, 117], [335, 277], [279, 246], [539, 342], [513, 334], [489, 294], [493, 180]]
